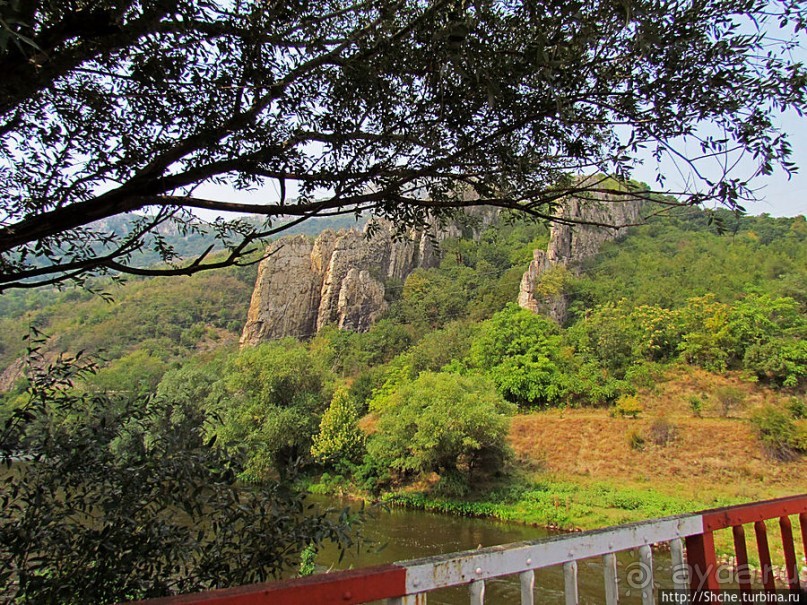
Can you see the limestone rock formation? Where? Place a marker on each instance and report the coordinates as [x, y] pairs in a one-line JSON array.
[[571, 242], [13, 373], [287, 291], [361, 301], [338, 279]]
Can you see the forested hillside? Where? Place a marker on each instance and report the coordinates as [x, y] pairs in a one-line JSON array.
[[723, 295], [679, 257], [677, 384], [157, 320]]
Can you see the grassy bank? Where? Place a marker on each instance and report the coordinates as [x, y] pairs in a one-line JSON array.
[[570, 506], [559, 504], [579, 469]]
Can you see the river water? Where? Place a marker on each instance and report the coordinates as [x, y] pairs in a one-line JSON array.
[[399, 535]]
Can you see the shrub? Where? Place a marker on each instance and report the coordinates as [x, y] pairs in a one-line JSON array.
[[589, 384], [628, 405], [781, 361], [371, 476], [781, 437], [696, 405], [662, 432], [800, 436], [797, 408], [636, 441], [730, 399], [707, 341], [363, 386], [644, 375], [608, 336], [452, 485], [339, 438], [439, 422]]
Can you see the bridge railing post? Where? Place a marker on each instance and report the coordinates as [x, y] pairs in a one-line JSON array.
[[789, 547], [609, 564], [702, 562], [680, 571], [527, 580]]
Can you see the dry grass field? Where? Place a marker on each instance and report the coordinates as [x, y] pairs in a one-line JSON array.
[[707, 457], [709, 460]]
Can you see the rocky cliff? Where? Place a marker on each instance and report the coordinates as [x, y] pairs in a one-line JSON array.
[[340, 278], [337, 279], [571, 241]]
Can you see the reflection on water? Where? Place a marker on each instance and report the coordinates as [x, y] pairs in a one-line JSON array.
[[399, 535]]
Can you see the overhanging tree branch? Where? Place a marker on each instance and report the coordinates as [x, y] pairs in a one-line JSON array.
[[369, 106]]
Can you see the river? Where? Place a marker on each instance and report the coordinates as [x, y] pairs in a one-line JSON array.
[[399, 534]]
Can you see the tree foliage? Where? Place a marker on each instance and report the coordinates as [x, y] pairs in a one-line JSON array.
[[125, 498], [270, 400], [440, 421], [339, 438], [760, 334], [519, 351], [125, 107], [681, 256]]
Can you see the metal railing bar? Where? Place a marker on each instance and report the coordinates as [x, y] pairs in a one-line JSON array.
[[679, 569], [722, 518], [791, 565], [477, 590], [742, 569], [527, 580], [611, 581], [702, 562], [646, 561], [803, 525], [461, 568], [764, 556], [570, 582]]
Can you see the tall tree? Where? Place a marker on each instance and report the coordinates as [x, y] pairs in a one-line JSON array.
[[126, 107]]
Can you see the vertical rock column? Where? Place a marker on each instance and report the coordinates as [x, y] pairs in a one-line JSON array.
[[286, 295], [572, 242]]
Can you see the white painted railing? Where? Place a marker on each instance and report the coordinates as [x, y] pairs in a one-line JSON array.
[[474, 567]]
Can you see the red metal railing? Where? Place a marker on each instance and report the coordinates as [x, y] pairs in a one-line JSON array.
[[408, 582], [701, 550]]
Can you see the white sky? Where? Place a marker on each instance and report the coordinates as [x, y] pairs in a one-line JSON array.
[[785, 197], [778, 195]]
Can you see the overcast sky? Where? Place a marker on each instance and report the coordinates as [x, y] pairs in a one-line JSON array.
[[785, 197]]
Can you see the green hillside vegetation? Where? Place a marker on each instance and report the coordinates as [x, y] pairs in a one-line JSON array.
[[381, 410], [15, 302], [671, 260], [138, 329]]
